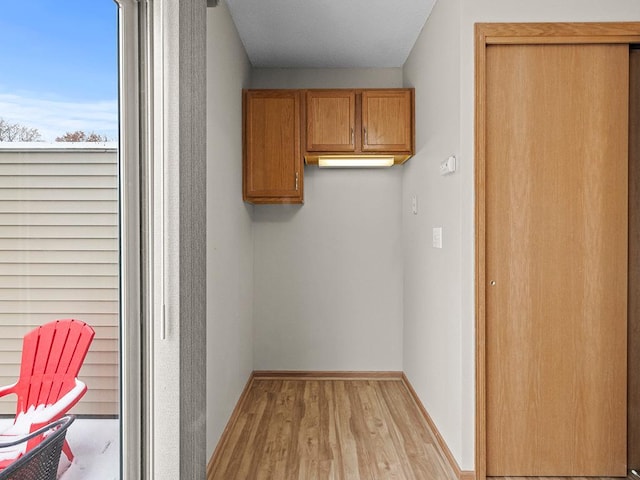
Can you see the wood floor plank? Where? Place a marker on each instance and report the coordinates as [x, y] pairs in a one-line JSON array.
[[419, 444], [387, 460], [337, 429], [348, 449]]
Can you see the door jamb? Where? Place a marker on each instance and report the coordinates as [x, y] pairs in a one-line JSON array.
[[513, 34]]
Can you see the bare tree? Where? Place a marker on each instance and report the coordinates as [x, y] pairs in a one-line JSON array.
[[14, 132], [80, 136]]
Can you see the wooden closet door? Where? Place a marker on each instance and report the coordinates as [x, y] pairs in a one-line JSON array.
[[556, 265]]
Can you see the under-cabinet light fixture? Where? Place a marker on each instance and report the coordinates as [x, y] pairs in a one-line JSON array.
[[355, 162]]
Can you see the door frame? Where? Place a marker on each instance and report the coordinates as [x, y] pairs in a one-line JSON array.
[[513, 34]]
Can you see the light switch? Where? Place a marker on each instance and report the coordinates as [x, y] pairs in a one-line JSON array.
[[414, 204], [437, 237]]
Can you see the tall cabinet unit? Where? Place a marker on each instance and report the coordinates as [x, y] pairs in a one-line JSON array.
[[272, 166]]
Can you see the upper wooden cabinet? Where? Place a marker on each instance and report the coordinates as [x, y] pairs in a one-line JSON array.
[[281, 127], [331, 120], [373, 121], [387, 121], [272, 167]]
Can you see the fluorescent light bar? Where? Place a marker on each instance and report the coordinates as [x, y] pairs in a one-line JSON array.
[[358, 162]]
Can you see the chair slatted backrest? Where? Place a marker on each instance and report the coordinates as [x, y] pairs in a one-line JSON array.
[[51, 359]]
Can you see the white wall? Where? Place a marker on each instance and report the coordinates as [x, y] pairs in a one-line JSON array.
[[326, 78], [432, 277], [439, 285], [328, 275], [229, 228]]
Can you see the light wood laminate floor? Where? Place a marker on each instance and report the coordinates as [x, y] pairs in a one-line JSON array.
[[630, 477], [310, 429]]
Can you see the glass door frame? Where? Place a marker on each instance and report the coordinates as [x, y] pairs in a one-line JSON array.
[[131, 211], [162, 79]]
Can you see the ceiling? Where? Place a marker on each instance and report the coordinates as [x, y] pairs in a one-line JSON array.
[[329, 33]]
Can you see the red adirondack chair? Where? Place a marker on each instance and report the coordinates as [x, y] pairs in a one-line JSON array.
[[48, 385]]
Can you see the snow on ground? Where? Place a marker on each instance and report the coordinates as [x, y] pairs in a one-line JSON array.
[[95, 444], [96, 447]]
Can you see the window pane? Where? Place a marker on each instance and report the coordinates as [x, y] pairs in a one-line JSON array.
[[59, 227]]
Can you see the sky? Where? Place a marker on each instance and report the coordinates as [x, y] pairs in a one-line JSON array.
[[58, 65]]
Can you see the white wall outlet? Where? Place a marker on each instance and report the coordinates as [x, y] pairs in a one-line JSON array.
[[437, 237], [448, 166]]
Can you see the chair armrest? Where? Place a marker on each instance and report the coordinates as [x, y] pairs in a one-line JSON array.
[[7, 389], [68, 400], [43, 415]]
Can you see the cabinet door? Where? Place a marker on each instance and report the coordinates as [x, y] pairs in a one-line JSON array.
[[272, 156], [331, 121], [387, 121]]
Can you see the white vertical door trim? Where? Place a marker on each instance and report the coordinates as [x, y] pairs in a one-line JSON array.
[[176, 136]]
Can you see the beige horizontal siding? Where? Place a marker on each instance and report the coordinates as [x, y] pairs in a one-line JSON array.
[[97, 321], [59, 244], [84, 182], [55, 194], [67, 294], [58, 231], [60, 206], [25, 157], [61, 309], [61, 281], [63, 268], [55, 219], [58, 170], [59, 259], [13, 320]]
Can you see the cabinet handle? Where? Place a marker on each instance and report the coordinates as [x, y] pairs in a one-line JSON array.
[[352, 137], [366, 136], [297, 176]]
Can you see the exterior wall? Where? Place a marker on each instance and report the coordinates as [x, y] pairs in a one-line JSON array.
[[59, 257], [328, 275], [229, 228]]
